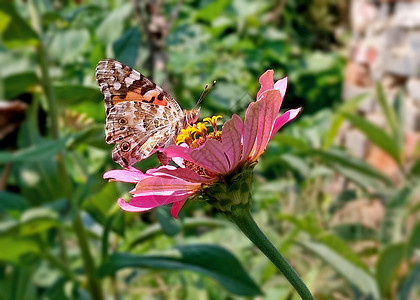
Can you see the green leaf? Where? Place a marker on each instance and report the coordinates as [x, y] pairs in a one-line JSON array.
[[43, 150], [76, 94], [212, 10], [210, 260], [112, 26], [386, 109], [355, 169], [347, 107], [15, 32], [411, 280], [13, 248], [12, 202], [387, 266], [376, 135], [36, 220], [19, 83], [351, 272], [126, 48], [413, 243], [67, 45], [189, 223], [395, 212], [169, 224], [310, 226]]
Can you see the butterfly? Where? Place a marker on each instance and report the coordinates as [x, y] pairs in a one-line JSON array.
[[141, 117]]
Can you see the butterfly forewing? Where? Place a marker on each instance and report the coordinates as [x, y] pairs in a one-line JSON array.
[[141, 116]]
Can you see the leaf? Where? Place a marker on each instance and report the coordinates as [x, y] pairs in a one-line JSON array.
[[310, 226], [12, 202], [15, 32], [212, 10], [210, 260], [189, 223], [13, 248], [169, 224], [387, 266], [67, 45], [19, 83], [126, 48], [413, 243], [376, 135], [112, 26], [347, 107], [352, 273], [43, 150], [353, 168], [411, 280], [395, 212], [36, 220], [387, 110], [75, 94]]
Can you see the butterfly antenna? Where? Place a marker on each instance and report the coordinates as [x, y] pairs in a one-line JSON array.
[[204, 93]]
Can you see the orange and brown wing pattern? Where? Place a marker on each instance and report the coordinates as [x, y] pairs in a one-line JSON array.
[[139, 129], [120, 83], [141, 116]]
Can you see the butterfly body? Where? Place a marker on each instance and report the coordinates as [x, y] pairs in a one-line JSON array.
[[140, 116]]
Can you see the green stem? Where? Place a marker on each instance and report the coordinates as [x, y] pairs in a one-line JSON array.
[[94, 283], [241, 216]]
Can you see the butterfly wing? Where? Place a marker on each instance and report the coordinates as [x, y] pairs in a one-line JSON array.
[[141, 116]]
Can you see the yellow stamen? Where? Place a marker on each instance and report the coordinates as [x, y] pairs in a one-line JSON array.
[[196, 135], [213, 121]]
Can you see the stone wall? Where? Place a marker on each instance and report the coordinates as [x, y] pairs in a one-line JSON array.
[[385, 47]]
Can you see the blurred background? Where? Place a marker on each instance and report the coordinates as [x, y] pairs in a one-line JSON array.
[[336, 190]]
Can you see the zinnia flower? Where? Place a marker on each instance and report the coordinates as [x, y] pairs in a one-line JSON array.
[[218, 166], [211, 163]]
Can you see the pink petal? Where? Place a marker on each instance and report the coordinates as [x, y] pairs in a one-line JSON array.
[[182, 173], [231, 140], [147, 202], [158, 184], [285, 118], [128, 207], [270, 103], [124, 175], [178, 151], [176, 207], [211, 157], [281, 85], [259, 121], [266, 82], [250, 130]]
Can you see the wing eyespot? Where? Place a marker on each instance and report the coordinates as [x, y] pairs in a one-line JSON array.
[[122, 121], [125, 146]]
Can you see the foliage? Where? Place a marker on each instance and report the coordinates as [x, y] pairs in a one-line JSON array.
[[62, 236]]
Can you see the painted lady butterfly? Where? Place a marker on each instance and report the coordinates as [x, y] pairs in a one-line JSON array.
[[140, 116]]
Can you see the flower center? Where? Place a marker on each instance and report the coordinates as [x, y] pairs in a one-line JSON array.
[[196, 135]]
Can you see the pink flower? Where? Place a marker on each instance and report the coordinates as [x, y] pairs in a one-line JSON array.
[[211, 156]]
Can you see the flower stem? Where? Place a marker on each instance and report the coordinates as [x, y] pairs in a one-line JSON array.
[[241, 216], [94, 283]]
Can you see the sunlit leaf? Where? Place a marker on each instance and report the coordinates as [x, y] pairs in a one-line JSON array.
[[376, 135], [347, 107], [15, 33], [387, 109], [352, 273]]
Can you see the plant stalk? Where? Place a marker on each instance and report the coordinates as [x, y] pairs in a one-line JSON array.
[[94, 283], [241, 216]]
